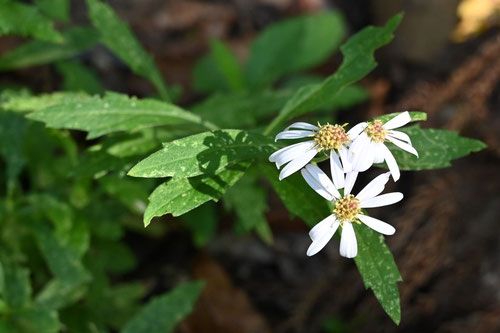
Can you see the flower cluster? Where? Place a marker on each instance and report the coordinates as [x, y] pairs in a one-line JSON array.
[[350, 152]]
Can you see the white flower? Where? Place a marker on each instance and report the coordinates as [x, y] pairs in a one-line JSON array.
[[347, 209], [369, 145], [328, 137]]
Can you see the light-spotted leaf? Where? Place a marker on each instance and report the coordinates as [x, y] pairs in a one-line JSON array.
[[358, 61], [162, 313], [293, 45], [112, 113], [436, 148], [24, 103], [118, 37], [17, 18], [204, 153], [36, 52], [297, 196], [180, 195], [378, 270]]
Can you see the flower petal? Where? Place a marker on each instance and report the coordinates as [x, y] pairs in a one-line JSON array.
[[336, 170], [285, 155], [298, 163], [302, 125], [344, 157], [348, 242], [398, 121], [377, 225], [350, 179], [356, 130], [399, 135], [382, 200], [363, 154], [319, 243], [405, 146], [293, 134], [391, 163], [378, 153], [322, 227], [319, 182], [375, 187]]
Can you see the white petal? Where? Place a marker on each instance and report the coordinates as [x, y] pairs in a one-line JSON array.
[[382, 200], [302, 125], [363, 158], [350, 179], [298, 163], [378, 153], [398, 121], [293, 134], [375, 187], [348, 242], [319, 182], [336, 170], [356, 130], [319, 243], [391, 163], [377, 225], [285, 155], [344, 157], [322, 227], [399, 135], [405, 146]]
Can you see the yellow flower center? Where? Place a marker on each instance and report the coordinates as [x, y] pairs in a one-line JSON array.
[[330, 137], [347, 209], [375, 131]]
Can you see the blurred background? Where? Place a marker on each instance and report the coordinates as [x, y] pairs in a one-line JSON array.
[[444, 60]]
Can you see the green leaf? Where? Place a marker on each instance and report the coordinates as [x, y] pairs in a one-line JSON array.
[[358, 61], [218, 71], [293, 45], [24, 103], [35, 52], [31, 321], [130, 192], [162, 313], [202, 222], [204, 153], [249, 202], [12, 130], [55, 9], [414, 115], [63, 262], [17, 18], [118, 37], [436, 148], [112, 113], [297, 196], [78, 77], [58, 294], [378, 270], [17, 289], [179, 195]]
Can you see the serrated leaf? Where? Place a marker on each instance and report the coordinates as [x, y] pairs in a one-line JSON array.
[[55, 9], [378, 270], [179, 195], [204, 153], [17, 18], [249, 202], [36, 52], [297, 196], [218, 71], [162, 313], [24, 103], [112, 113], [118, 37], [358, 61], [436, 148], [293, 45], [77, 77]]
